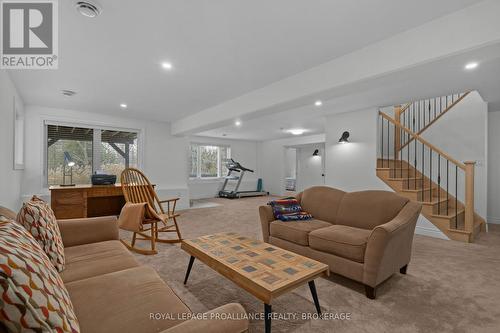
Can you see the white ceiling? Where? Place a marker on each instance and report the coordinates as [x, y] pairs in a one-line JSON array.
[[432, 79], [273, 126], [219, 49]]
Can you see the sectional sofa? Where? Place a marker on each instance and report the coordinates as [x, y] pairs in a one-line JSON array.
[[112, 293]]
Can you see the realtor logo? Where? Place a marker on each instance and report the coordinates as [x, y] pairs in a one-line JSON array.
[[29, 36]]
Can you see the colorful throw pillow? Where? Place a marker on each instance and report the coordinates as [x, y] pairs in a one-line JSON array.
[[33, 296], [39, 219], [289, 209]]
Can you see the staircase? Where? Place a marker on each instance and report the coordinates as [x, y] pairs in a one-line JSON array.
[[420, 171]]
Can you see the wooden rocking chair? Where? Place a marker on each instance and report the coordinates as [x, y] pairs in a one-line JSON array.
[[138, 189]]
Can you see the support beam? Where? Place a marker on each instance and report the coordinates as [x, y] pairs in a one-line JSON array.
[[125, 154], [472, 28], [117, 149]]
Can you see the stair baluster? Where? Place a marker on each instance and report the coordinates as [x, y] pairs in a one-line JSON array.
[[447, 190], [439, 184], [456, 197]]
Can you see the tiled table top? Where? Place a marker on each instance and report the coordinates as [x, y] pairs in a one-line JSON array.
[[264, 270]]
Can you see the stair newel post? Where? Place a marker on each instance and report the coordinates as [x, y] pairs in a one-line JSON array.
[[469, 196]]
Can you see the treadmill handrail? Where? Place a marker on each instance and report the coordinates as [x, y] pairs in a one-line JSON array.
[[233, 165]]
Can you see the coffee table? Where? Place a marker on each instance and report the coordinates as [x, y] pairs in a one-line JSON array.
[[263, 270]]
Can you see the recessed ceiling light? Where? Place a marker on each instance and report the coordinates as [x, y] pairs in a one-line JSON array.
[[88, 8], [296, 131], [166, 65], [237, 123], [471, 65], [318, 103], [68, 93], [123, 106]]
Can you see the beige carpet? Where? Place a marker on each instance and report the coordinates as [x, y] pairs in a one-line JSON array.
[[450, 286]]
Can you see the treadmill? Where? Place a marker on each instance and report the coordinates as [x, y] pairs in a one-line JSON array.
[[235, 174]]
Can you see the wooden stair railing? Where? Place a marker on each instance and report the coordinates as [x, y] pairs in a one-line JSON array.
[[428, 174], [420, 115]]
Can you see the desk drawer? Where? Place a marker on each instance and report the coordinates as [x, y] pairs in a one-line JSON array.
[[69, 204], [68, 197], [105, 191]]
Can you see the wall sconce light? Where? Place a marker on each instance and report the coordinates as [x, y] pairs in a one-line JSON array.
[[316, 152], [344, 137]]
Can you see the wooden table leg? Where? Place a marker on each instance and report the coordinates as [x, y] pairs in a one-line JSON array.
[[190, 265], [267, 317], [312, 286]]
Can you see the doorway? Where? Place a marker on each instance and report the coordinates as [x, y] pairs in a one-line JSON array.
[[290, 171], [310, 166]]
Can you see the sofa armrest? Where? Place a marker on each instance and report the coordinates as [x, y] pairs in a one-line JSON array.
[[229, 318], [389, 245], [88, 230], [266, 217]]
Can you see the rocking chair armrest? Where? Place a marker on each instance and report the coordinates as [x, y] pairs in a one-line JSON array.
[[169, 200]]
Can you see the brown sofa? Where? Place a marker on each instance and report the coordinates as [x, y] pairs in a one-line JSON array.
[[366, 236], [111, 292]]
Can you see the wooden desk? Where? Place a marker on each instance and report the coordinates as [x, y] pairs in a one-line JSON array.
[[69, 202]]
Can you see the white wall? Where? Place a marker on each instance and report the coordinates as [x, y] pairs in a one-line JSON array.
[[310, 168], [352, 166], [494, 167], [291, 163], [10, 179], [162, 156], [245, 152], [272, 157]]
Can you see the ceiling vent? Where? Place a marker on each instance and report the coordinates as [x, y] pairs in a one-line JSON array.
[[69, 93], [88, 8]]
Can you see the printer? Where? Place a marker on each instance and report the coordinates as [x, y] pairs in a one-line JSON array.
[[102, 179]]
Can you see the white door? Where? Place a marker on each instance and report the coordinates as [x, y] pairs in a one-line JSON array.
[[310, 166]]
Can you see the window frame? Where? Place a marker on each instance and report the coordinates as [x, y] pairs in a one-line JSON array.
[[198, 176], [96, 127]]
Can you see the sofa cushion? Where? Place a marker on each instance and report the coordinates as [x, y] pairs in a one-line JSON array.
[[33, 296], [7, 214], [322, 202], [84, 261], [343, 241], [125, 301], [39, 219], [296, 231], [368, 209]]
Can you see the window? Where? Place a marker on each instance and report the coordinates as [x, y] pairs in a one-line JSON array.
[[87, 150], [118, 151], [208, 161]]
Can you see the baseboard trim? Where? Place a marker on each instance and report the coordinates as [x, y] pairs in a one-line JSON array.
[[430, 232], [494, 220]]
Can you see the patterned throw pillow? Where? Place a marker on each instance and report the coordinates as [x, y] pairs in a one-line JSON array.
[[39, 219], [289, 209], [33, 296]]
